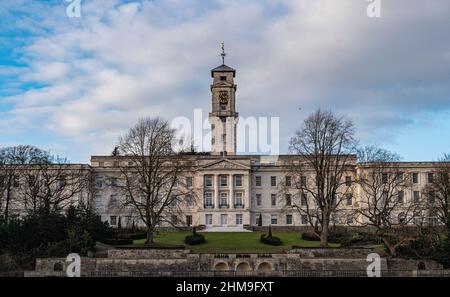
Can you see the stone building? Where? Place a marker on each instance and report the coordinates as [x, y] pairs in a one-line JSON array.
[[234, 190]]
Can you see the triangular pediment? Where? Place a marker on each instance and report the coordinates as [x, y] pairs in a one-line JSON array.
[[225, 164], [222, 84]]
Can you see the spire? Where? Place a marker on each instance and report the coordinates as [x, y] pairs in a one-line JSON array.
[[223, 54]]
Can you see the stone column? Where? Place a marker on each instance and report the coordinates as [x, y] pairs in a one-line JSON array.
[[231, 187], [216, 184], [247, 194]]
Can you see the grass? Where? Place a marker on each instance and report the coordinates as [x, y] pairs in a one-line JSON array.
[[233, 242]]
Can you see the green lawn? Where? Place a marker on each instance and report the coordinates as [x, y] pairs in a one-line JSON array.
[[233, 242]]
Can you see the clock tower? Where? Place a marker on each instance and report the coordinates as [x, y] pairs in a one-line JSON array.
[[223, 118]]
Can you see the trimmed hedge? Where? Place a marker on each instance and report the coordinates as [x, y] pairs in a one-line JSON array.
[[270, 240], [117, 241], [195, 239]]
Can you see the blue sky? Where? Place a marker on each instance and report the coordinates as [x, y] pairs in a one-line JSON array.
[[73, 85]]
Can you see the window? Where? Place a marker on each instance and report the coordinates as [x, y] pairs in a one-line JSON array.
[[431, 197], [273, 199], [188, 220], [223, 107], [98, 201], [238, 180], [189, 181], [273, 181], [189, 200], [174, 219], [208, 219], [238, 219], [99, 181], [416, 196], [402, 218], [223, 180], [274, 219], [288, 181], [430, 177], [401, 196], [415, 178], [223, 199], [289, 219], [113, 200], [349, 199], [303, 181], [384, 178], [238, 199], [258, 199], [348, 180], [208, 181], [16, 181], [349, 220], [399, 177], [61, 182], [288, 199], [113, 220], [113, 181], [208, 199], [258, 181], [304, 200], [222, 78], [304, 219]]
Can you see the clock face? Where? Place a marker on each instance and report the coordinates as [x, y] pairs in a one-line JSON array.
[[223, 97]]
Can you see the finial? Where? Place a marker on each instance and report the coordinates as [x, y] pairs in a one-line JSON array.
[[223, 54]]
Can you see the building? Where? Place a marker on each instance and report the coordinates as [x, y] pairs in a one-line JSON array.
[[235, 190]]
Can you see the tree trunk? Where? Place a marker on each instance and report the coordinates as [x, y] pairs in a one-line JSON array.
[[324, 233], [149, 236]]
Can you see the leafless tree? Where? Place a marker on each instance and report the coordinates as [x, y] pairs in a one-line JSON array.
[[326, 144], [437, 194], [383, 204], [154, 176]]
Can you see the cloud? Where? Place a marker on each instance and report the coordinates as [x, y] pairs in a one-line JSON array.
[[98, 74]]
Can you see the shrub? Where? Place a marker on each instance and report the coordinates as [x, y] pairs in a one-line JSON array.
[[310, 236], [117, 241], [195, 239], [270, 240]]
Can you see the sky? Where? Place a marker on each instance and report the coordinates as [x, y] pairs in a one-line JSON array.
[[74, 85]]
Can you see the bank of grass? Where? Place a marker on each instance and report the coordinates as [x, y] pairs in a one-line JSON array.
[[233, 242]]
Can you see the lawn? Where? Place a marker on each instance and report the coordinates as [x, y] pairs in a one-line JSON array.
[[233, 242]]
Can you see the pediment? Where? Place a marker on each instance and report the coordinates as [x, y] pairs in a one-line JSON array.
[[225, 164], [222, 84]]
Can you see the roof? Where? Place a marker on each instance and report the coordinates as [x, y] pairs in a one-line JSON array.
[[223, 68]]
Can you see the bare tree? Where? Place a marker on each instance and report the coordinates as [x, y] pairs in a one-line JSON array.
[[383, 204], [437, 193], [154, 177], [326, 144]]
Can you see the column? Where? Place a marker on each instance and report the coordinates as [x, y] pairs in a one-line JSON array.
[[247, 194], [231, 187], [216, 190]]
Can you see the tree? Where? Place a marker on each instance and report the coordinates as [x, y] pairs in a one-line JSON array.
[[152, 174], [326, 144], [437, 193], [383, 204]]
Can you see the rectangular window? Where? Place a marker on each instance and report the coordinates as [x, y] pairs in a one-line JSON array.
[[304, 219], [303, 181], [113, 220], [208, 199], [401, 197], [189, 181], [223, 78], [430, 177], [416, 196], [384, 178], [399, 177], [274, 219], [304, 199], [99, 181], [113, 181], [288, 199], [238, 180], [208, 219], [288, 181], [258, 200], [273, 181], [61, 182], [188, 220], [208, 180], [349, 199], [273, 199], [415, 178], [289, 219], [349, 220], [174, 219], [113, 200], [98, 201], [238, 219], [238, 201], [348, 180], [223, 199], [258, 181], [189, 200], [223, 180], [431, 197]]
